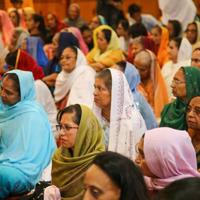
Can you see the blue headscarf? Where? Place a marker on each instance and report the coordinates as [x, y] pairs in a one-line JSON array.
[[35, 49], [27, 142], [133, 78], [102, 20]]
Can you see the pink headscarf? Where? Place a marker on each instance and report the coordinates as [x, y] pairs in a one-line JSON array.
[[170, 155], [7, 27]]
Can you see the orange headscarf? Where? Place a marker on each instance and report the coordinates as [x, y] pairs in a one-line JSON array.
[[162, 54], [155, 91]]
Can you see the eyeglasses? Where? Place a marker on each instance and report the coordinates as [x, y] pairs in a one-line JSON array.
[[195, 110], [177, 81], [195, 60], [64, 127], [191, 31], [66, 57]]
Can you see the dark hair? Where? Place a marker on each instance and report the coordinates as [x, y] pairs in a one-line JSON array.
[[137, 29], [178, 41], [85, 28], [176, 26], [15, 79], [107, 34], [105, 75], [134, 8], [16, 1], [124, 173], [11, 58], [18, 16], [40, 19], [122, 65], [158, 29], [184, 189], [125, 24], [75, 110]]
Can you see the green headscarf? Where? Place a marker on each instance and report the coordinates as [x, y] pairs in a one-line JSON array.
[[173, 114], [68, 171]]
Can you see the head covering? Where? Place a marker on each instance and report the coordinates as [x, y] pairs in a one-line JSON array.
[[133, 78], [65, 40], [102, 20], [22, 35], [35, 49], [78, 35], [68, 171], [126, 124], [155, 91], [27, 142], [173, 114], [25, 62], [7, 27], [114, 44], [59, 25], [170, 155], [162, 53]]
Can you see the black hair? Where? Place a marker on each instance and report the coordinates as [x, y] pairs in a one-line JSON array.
[[184, 189], [122, 65], [11, 58], [178, 41], [16, 1], [176, 26], [40, 19], [158, 29], [124, 174], [137, 29], [105, 75], [85, 28], [15, 79], [125, 24], [107, 34], [75, 110], [134, 8]]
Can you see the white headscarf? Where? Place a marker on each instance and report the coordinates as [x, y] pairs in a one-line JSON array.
[[126, 124]]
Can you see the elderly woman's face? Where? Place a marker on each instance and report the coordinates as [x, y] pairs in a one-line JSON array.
[[193, 114], [143, 68], [69, 131], [156, 36], [179, 86], [24, 45], [95, 23], [136, 47], [102, 96], [99, 186], [68, 60], [55, 45], [51, 21], [8, 93], [14, 38], [102, 42], [73, 13], [191, 33]]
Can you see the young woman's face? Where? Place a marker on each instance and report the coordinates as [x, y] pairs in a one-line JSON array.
[[30, 23], [102, 42], [68, 60], [14, 18], [8, 94], [51, 21], [170, 29], [173, 51], [99, 186], [156, 36], [191, 33], [102, 96], [69, 131]]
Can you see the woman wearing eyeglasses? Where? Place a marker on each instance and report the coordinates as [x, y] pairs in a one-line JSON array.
[[75, 83], [193, 122], [185, 84], [81, 137]]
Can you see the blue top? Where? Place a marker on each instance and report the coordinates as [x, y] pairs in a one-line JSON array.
[[27, 142], [141, 103]]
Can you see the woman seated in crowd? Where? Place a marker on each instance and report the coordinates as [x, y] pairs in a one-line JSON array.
[[114, 107], [59, 42], [26, 143], [21, 60], [193, 122], [152, 84], [75, 83], [180, 51], [185, 84], [74, 18], [76, 154], [160, 36], [33, 46], [98, 21], [54, 23], [15, 18], [125, 182], [133, 79], [195, 59], [107, 50], [166, 155], [193, 34], [87, 33], [174, 28]]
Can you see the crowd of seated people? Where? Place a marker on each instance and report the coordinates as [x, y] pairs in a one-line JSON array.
[[102, 109]]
